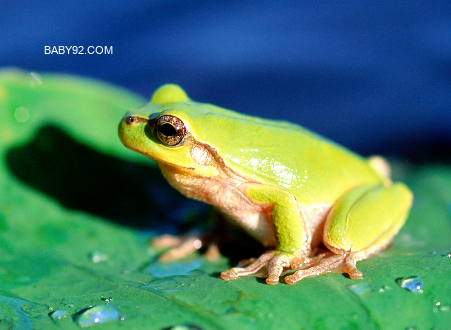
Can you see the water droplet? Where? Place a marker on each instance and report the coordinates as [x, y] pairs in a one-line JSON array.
[[22, 114], [360, 289], [95, 315], [98, 256], [411, 328], [59, 315], [413, 284], [107, 300], [67, 303], [184, 327], [384, 288]]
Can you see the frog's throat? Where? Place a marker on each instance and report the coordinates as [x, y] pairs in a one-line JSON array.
[[219, 161]]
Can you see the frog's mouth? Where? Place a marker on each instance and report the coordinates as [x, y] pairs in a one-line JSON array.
[[180, 168]]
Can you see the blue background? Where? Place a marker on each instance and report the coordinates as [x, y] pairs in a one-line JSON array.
[[372, 75]]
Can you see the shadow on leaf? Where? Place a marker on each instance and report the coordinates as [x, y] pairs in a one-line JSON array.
[[81, 178]]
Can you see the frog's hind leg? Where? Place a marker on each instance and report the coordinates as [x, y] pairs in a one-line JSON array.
[[362, 223]]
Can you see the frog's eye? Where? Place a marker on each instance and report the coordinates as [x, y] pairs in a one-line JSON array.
[[170, 130]]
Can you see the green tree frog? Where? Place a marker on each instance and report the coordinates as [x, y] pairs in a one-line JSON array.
[[290, 189]]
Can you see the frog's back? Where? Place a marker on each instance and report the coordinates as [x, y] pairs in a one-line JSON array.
[[281, 153]]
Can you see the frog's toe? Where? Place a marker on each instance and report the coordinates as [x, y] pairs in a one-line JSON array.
[[273, 265], [212, 253], [234, 273], [252, 269], [351, 268], [275, 268], [166, 241], [229, 275], [330, 264], [180, 247]]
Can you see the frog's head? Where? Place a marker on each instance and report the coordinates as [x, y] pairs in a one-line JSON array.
[[165, 131]]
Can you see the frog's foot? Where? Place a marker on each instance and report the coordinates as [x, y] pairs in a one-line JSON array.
[[275, 263], [253, 268], [388, 207], [331, 264], [180, 247]]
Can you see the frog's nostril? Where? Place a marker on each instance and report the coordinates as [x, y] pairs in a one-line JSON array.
[[130, 120], [133, 120]]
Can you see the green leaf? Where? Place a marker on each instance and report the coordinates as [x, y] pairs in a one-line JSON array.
[[74, 202]]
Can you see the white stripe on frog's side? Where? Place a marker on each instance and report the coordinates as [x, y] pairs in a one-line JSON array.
[[316, 216], [221, 192]]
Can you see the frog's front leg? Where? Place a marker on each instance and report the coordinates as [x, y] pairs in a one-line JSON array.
[[290, 230], [360, 224]]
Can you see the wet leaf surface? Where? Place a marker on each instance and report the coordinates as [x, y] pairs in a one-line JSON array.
[[77, 210]]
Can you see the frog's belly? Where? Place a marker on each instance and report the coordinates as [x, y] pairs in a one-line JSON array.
[[224, 196]]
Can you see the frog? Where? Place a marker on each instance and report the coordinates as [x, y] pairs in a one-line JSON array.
[[314, 206]]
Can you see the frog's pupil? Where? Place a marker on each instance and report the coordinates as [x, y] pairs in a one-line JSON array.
[[167, 129]]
